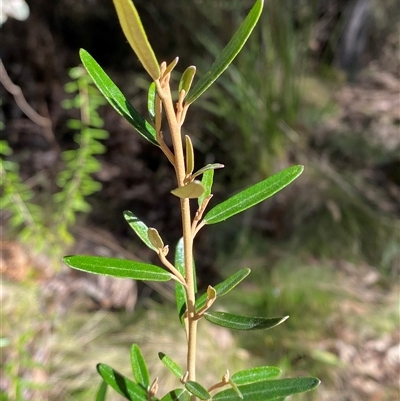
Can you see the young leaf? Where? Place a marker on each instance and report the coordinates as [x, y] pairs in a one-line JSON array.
[[140, 228], [171, 365], [228, 54], [189, 155], [121, 384], [213, 166], [186, 79], [117, 267], [253, 195], [191, 190], [178, 394], [102, 391], [116, 98], [134, 32], [154, 238], [207, 181], [238, 322], [269, 390], [253, 375], [225, 286], [180, 294], [197, 390], [139, 368], [151, 101]]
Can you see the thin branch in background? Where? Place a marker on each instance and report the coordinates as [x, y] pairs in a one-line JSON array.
[[19, 97]]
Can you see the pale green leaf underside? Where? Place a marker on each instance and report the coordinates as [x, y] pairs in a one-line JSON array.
[[197, 389], [269, 390], [238, 322], [121, 268], [139, 227], [116, 98], [139, 368], [257, 374], [136, 35], [180, 294], [225, 286], [121, 384], [228, 53], [207, 181], [173, 367], [252, 195]]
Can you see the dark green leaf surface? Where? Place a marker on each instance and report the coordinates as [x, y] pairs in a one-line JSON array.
[[139, 227], [139, 368], [228, 54], [102, 392], [207, 181], [121, 384], [180, 294], [238, 322], [269, 390], [253, 195], [121, 268], [171, 365], [116, 98], [197, 389], [257, 374], [224, 287], [179, 394]]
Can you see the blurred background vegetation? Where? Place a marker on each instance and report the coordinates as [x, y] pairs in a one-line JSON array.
[[310, 87]]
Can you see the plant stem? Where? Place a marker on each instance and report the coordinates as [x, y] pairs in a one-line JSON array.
[[164, 92]]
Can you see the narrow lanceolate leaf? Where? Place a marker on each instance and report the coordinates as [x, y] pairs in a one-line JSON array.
[[180, 294], [253, 195], [116, 98], [189, 155], [197, 390], [102, 392], [207, 181], [139, 227], [137, 38], [228, 54], [121, 268], [151, 101], [257, 374], [186, 79], [238, 322], [224, 287], [212, 166], [172, 366], [269, 390], [139, 368], [178, 394], [121, 384]]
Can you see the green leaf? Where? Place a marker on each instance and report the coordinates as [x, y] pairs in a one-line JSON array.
[[207, 181], [213, 166], [269, 390], [191, 190], [197, 390], [117, 267], [228, 54], [186, 79], [253, 195], [180, 293], [116, 98], [189, 155], [151, 101], [121, 384], [171, 365], [238, 322], [225, 286], [136, 35], [139, 368], [178, 394], [257, 374], [102, 391], [140, 228]]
